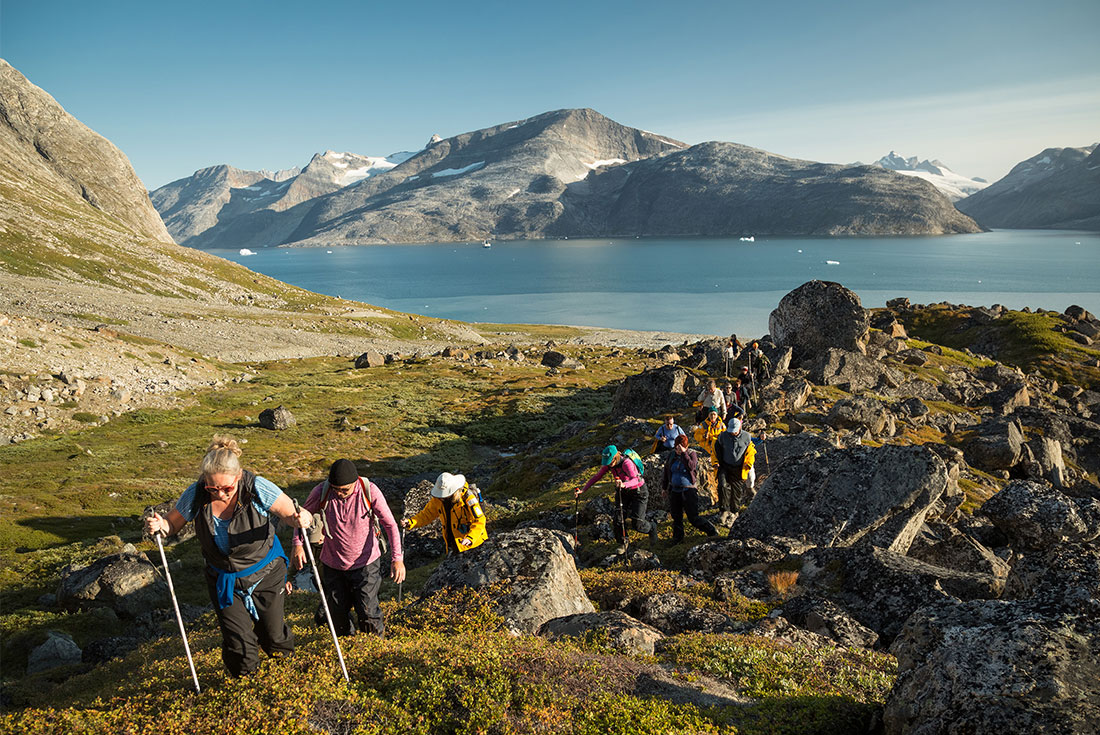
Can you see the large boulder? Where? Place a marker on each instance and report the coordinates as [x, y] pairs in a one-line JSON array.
[[653, 391], [881, 589], [277, 419], [370, 359], [529, 572], [818, 315], [853, 371], [126, 583], [615, 627], [994, 667], [58, 650], [868, 495], [860, 414], [1062, 580], [828, 619], [713, 558], [1037, 517], [998, 445], [959, 551]]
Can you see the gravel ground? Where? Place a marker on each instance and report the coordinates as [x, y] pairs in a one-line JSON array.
[[69, 350]]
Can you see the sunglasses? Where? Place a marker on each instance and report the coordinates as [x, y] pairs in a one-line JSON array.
[[216, 489]]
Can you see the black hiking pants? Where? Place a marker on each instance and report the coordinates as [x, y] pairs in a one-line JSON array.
[[733, 491], [634, 502], [243, 637], [358, 589], [683, 500]]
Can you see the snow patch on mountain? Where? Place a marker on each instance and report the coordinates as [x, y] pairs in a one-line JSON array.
[[954, 186]]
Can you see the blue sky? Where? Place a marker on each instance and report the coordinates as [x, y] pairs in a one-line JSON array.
[[182, 85]]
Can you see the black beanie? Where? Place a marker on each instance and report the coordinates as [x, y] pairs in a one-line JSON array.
[[343, 472]]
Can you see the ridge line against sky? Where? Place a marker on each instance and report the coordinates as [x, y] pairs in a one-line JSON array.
[[980, 85]]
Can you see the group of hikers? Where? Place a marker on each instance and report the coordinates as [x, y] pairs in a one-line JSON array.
[[236, 512]]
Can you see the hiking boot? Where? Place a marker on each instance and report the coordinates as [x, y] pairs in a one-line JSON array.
[[653, 530], [621, 549]]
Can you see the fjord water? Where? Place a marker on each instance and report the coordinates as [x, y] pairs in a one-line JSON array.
[[714, 286]]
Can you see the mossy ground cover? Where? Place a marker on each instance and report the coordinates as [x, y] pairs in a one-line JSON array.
[[466, 676], [1031, 341], [59, 494]]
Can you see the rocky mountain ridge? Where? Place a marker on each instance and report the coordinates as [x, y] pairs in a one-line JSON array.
[[562, 174], [1058, 188], [43, 144]]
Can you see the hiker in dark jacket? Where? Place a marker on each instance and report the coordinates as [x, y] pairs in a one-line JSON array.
[[245, 563], [680, 483], [736, 455]]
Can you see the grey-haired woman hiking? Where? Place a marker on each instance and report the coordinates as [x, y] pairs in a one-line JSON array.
[[245, 564]]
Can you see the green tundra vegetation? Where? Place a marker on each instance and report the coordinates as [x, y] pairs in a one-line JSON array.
[[447, 665]]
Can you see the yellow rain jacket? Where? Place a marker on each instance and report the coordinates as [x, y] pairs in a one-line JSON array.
[[750, 460], [707, 434], [466, 518]]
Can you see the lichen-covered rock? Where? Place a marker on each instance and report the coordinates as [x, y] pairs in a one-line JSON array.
[[1065, 579], [994, 667], [842, 497], [852, 371], [650, 392], [58, 650], [862, 413], [710, 559], [881, 589], [530, 573], [277, 419], [1036, 517], [827, 619], [997, 446], [672, 614], [618, 629], [818, 315], [126, 583], [959, 551]]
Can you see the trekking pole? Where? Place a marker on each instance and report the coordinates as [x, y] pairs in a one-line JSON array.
[[179, 616], [622, 519], [321, 589], [767, 464], [752, 380], [402, 582], [576, 521]]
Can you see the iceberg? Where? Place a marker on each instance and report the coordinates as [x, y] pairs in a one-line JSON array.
[[246, 251]]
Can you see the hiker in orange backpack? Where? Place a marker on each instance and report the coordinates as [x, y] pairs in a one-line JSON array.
[[631, 494]]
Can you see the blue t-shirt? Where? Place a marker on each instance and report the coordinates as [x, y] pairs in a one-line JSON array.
[[667, 436], [267, 493], [680, 479]]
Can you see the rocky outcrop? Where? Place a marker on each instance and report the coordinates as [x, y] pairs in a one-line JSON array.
[[653, 391], [957, 550], [370, 359], [1062, 580], [828, 619], [819, 315], [847, 496], [615, 628], [994, 667], [42, 142], [852, 371], [529, 572], [1037, 517], [1058, 189], [126, 583], [59, 649], [997, 446], [881, 589], [862, 414]]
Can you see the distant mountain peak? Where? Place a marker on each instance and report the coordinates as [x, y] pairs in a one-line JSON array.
[[955, 186]]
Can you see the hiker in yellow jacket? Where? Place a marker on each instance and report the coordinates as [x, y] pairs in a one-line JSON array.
[[458, 510], [705, 435]]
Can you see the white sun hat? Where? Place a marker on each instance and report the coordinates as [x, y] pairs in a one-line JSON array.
[[447, 485]]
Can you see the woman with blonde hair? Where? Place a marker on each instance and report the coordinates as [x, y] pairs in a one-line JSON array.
[[245, 564]]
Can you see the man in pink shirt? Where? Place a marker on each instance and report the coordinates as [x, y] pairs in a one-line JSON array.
[[350, 553]]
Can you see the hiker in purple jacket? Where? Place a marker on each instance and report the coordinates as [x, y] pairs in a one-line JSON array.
[[631, 495], [350, 507]]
